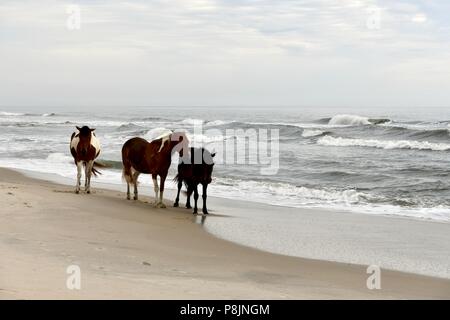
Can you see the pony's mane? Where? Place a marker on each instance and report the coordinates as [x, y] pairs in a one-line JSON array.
[[162, 139], [163, 136]]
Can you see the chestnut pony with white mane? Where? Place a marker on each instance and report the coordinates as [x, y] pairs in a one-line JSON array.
[[140, 156], [85, 148]]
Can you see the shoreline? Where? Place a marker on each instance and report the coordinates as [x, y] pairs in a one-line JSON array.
[[132, 250], [393, 242]]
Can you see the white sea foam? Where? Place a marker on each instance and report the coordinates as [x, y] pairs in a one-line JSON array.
[[383, 144], [283, 193], [201, 139], [299, 196], [10, 114], [190, 121], [307, 133], [348, 120], [217, 123], [59, 158]]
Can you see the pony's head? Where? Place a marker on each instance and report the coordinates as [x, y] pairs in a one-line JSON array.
[[208, 164], [85, 134], [179, 143]]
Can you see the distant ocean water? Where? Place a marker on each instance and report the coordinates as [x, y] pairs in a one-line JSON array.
[[377, 161]]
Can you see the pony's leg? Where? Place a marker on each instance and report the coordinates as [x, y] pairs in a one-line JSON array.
[[195, 199], [161, 193], [127, 174], [188, 196], [135, 183], [88, 173], [155, 187], [86, 167], [204, 196], [177, 200], [79, 170]]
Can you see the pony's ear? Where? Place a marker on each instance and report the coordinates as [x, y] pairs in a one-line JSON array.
[[92, 130], [78, 128], [213, 155]]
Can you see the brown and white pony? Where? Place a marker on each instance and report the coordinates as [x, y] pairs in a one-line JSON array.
[[85, 148], [140, 156]]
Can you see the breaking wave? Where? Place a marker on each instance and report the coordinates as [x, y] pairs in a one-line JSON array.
[[354, 120], [380, 144], [308, 133]]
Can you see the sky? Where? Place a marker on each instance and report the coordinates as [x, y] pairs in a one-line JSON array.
[[324, 53]]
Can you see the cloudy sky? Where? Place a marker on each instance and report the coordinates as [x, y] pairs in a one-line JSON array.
[[225, 52]]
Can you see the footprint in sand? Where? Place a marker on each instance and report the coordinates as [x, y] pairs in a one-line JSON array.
[[26, 204], [63, 191]]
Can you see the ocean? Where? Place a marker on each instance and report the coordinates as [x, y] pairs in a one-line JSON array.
[[387, 161]]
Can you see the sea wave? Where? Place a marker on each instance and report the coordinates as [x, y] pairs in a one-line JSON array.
[[308, 133], [348, 120], [287, 193], [216, 123], [18, 114], [10, 114], [200, 140], [129, 127], [383, 144], [354, 120], [192, 122], [432, 133], [284, 194]]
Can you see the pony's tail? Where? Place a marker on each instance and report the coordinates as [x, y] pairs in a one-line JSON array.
[[177, 178], [126, 174], [96, 165]]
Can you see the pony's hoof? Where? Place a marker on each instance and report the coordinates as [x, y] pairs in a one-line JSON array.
[[195, 212], [188, 207], [176, 205], [128, 198], [88, 192], [77, 191], [205, 212], [135, 198]]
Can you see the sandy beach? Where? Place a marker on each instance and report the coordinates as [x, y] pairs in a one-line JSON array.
[[130, 250]]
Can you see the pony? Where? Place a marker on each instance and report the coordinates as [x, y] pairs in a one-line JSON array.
[[140, 156], [194, 170], [85, 148]]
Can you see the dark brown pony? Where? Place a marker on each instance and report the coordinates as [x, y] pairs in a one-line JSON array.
[[194, 169], [140, 156], [85, 148]]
